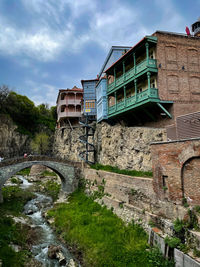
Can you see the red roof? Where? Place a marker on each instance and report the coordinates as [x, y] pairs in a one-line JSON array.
[[73, 89]]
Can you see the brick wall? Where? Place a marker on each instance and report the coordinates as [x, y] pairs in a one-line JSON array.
[[179, 72], [176, 168]]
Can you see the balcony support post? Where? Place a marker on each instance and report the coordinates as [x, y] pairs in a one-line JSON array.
[[149, 82], [134, 61], [115, 76], [147, 53], [124, 69], [135, 83], [125, 95], [115, 101]]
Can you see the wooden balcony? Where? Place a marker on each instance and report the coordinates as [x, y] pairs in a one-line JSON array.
[[133, 73], [69, 114], [66, 102], [149, 95]]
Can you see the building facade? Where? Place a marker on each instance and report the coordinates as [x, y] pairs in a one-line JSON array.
[[89, 98], [101, 87], [69, 106], [101, 96], [156, 80]]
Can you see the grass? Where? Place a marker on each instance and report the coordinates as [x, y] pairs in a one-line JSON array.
[[48, 173], [101, 237], [14, 200], [109, 168], [52, 189], [24, 171], [11, 232]]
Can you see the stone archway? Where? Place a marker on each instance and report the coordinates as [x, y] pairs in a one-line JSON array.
[[190, 176], [66, 172]]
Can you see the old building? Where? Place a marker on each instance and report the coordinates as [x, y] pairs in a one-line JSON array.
[[69, 106], [89, 98], [101, 87], [157, 80]]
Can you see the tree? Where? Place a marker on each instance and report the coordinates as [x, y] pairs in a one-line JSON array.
[[40, 144], [4, 92]]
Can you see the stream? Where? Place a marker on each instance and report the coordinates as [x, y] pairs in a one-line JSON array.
[[34, 210]]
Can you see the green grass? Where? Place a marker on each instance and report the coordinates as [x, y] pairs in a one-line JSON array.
[[109, 168], [10, 232], [52, 189], [24, 171], [14, 200], [101, 237], [48, 173]]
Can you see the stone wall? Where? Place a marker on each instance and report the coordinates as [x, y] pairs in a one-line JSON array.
[[67, 144], [12, 143], [134, 198], [124, 147]]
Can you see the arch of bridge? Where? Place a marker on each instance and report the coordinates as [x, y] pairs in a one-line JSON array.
[[63, 168]]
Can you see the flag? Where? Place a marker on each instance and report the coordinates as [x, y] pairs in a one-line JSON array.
[[187, 30]]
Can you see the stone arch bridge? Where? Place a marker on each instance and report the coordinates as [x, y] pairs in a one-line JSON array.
[[67, 170]]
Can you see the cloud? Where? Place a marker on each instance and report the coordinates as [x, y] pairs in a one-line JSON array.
[[51, 33]]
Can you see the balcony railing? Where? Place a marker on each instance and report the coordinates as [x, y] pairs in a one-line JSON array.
[[69, 102], [132, 72], [150, 94], [69, 114]]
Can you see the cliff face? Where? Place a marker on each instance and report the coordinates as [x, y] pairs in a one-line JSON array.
[[67, 144], [124, 147], [12, 143]]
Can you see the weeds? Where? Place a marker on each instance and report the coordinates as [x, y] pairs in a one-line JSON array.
[[109, 168], [10, 232], [101, 237]]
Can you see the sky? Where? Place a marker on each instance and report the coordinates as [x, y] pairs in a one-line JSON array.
[[47, 45]]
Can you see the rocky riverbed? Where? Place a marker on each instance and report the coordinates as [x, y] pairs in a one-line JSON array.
[[46, 249]]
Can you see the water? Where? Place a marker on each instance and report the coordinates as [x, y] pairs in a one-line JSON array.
[[34, 209]]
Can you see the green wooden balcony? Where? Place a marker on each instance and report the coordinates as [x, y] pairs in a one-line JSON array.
[[149, 95], [132, 74]]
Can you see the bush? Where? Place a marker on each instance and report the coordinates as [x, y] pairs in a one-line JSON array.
[[172, 242]]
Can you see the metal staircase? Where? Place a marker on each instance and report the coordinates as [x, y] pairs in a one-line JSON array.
[[88, 154]]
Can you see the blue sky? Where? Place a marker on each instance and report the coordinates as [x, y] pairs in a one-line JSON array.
[[46, 45]]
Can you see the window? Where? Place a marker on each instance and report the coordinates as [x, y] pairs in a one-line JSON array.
[[151, 54], [90, 104], [153, 83], [139, 90], [62, 96]]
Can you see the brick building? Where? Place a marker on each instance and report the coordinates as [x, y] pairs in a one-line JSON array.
[[156, 80], [69, 106]]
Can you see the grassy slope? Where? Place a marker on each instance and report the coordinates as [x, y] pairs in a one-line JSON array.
[[109, 168], [101, 237]]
